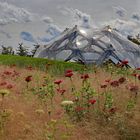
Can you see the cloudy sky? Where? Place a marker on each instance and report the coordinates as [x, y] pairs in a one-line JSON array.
[[39, 21]]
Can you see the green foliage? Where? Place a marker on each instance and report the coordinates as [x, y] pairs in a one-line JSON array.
[[108, 100], [131, 104]]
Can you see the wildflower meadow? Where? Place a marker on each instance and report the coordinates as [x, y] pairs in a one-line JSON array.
[[102, 103]]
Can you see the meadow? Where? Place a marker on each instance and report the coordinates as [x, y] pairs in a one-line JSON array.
[[53, 100]]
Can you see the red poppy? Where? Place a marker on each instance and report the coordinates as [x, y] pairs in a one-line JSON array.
[[28, 79], [124, 62], [139, 77], [134, 74], [3, 83], [133, 88], [121, 80], [107, 81], [85, 76], [15, 73], [9, 86], [58, 82], [104, 86], [68, 71], [69, 74], [114, 83], [138, 68], [92, 101], [7, 72], [61, 91]]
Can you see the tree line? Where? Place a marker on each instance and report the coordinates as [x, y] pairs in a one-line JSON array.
[[21, 50]]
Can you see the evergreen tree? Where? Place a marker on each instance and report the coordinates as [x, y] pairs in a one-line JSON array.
[[22, 51], [7, 50]]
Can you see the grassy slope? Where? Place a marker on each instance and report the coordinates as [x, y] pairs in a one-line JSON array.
[[25, 123], [56, 67]]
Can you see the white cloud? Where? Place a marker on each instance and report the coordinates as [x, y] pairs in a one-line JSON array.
[[125, 27], [47, 20], [78, 17], [12, 14]]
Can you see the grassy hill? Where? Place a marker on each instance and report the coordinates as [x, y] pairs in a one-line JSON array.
[[52, 66]]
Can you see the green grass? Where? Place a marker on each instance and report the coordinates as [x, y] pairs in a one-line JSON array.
[[56, 67]]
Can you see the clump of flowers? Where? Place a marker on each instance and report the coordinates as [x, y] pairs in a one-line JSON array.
[[7, 73], [114, 83], [104, 86], [3, 83]]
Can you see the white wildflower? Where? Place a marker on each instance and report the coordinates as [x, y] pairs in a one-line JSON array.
[[64, 103]]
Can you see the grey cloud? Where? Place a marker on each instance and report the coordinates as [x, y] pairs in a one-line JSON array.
[[47, 20], [5, 34], [125, 27], [120, 11], [78, 17], [11, 14], [136, 16]]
